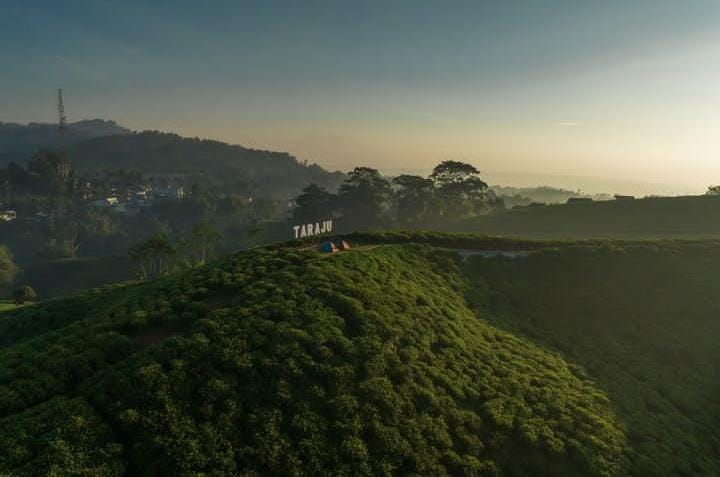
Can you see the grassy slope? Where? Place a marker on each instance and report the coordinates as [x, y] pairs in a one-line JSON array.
[[284, 363], [643, 321], [678, 217]]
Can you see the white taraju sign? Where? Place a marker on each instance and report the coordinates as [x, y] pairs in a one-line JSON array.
[[309, 230]]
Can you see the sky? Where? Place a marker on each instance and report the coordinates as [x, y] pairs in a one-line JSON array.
[[612, 94]]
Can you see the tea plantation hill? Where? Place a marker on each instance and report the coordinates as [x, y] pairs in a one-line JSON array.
[[648, 218], [287, 362], [642, 320], [580, 359]]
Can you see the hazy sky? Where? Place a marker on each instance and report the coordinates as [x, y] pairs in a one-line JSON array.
[[624, 89]]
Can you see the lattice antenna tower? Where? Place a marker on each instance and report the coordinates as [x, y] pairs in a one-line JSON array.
[[62, 119]]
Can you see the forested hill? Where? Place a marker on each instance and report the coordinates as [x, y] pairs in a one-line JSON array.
[[163, 153], [18, 142], [289, 362], [95, 146]]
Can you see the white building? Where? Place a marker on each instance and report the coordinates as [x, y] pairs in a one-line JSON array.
[[7, 215], [106, 202]]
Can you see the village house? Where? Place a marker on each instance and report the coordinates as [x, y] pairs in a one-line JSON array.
[[8, 215], [106, 202]]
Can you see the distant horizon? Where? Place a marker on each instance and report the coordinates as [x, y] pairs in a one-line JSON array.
[[500, 178]]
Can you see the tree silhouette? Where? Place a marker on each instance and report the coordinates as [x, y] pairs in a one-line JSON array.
[[364, 197]]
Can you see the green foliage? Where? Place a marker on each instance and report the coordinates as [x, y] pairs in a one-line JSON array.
[[364, 198], [154, 256], [641, 319], [459, 187], [367, 200], [8, 269], [314, 204], [59, 437], [24, 294], [414, 199], [62, 200], [283, 362]]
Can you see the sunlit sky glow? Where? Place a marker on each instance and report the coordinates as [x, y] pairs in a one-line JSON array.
[[626, 90]]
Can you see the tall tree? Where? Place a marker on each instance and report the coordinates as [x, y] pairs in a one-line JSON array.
[[414, 199], [24, 294], [54, 168], [8, 270], [153, 256], [459, 187], [263, 209], [70, 240], [203, 238], [364, 198], [314, 204]]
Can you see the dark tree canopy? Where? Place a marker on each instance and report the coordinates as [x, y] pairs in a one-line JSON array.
[[414, 198], [460, 188], [450, 172], [24, 294], [153, 256], [364, 197], [49, 164], [314, 204], [8, 269]]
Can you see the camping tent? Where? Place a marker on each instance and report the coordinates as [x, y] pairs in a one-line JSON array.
[[327, 247]]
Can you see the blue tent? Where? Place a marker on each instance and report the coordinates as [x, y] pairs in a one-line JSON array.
[[327, 247]]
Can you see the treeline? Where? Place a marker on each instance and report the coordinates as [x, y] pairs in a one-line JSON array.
[[367, 199], [159, 254], [55, 225], [108, 194]]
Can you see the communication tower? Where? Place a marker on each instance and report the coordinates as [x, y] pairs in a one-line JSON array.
[[62, 119]]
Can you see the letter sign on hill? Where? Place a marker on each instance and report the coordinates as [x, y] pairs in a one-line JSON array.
[[310, 230]]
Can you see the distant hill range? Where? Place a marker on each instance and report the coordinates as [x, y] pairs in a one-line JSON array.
[[543, 194], [95, 146], [232, 167], [647, 218], [19, 141]]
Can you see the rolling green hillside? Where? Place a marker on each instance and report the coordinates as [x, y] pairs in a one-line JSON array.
[[293, 363], [642, 320], [579, 359], [667, 217]]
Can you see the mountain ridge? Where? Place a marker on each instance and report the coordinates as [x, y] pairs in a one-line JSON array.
[[95, 146], [18, 141]]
